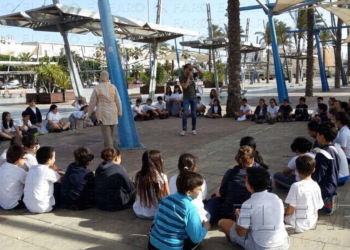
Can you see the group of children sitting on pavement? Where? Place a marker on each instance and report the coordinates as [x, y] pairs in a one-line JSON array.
[[179, 208]]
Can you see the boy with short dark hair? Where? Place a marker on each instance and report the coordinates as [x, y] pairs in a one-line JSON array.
[[139, 113], [319, 101], [312, 127], [327, 165], [161, 106], [24, 126], [150, 109], [200, 106], [304, 197], [285, 112], [16, 140], [322, 112], [301, 110], [244, 111], [256, 226], [185, 229]]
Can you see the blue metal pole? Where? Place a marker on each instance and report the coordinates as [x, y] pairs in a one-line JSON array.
[[324, 81], [281, 84], [128, 137]]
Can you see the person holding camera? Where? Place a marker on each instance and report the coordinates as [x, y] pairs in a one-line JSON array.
[[189, 96]]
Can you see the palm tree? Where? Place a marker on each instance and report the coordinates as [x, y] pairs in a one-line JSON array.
[[266, 37], [325, 36], [309, 91], [217, 32], [300, 20], [47, 75], [234, 57], [283, 39], [163, 49]]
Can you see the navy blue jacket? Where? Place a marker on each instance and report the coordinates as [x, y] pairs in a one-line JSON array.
[[302, 110], [77, 188], [327, 171], [113, 187], [34, 117], [285, 110], [257, 110]]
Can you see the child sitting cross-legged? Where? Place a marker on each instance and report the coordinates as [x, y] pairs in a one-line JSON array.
[[188, 163], [12, 178], [259, 223], [304, 197], [139, 113], [200, 106], [150, 109], [272, 111], [215, 110], [289, 175], [162, 110], [260, 113], [244, 111], [301, 110], [285, 112], [322, 113]]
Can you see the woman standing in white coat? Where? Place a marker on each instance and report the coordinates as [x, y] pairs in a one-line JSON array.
[[106, 98]]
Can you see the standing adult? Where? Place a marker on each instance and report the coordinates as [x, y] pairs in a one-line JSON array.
[[106, 98], [189, 96]]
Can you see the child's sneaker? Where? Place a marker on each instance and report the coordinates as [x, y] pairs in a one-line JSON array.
[[183, 133], [331, 205], [194, 132]]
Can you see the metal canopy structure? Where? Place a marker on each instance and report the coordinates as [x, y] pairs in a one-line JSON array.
[[81, 21]]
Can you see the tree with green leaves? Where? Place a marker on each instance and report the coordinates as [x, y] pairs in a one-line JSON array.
[[266, 37], [234, 57], [283, 39], [325, 36], [300, 21]]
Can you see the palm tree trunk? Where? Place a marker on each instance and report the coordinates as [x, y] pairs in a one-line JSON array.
[[210, 65], [298, 63], [233, 61], [310, 53], [268, 67], [338, 55], [324, 55]]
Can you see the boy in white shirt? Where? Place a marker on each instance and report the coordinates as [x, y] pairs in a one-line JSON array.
[[150, 109], [16, 140], [200, 106], [319, 101], [161, 106], [31, 146], [244, 111], [139, 113], [304, 197], [24, 126], [79, 115], [260, 220], [272, 111], [39, 184], [12, 178]]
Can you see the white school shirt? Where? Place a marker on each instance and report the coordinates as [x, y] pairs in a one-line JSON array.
[[3, 157], [244, 109], [138, 109], [19, 123], [9, 129], [167, 98], [216, 108], [12, 179], [305, 197], [212, 100], [198, 202], [80, 114], [314, 113], [34, 109], [147, 107], [343, 138], [30, 161], [176, 96], [343, 166], [292, 165], [160, 106], [55, 118], [38, 189], [148, 211], [272, 110], [200, 104], [264, 214]]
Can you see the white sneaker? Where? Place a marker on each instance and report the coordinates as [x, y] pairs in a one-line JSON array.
[[194, 132], [183, 133]]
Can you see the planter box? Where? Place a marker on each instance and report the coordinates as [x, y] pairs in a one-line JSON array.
[[70, 96], [45, 98], [132, 86], [160, 89], [32, 96], [145, 90]]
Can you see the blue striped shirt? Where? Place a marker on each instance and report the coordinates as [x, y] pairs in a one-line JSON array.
[[176, 220]]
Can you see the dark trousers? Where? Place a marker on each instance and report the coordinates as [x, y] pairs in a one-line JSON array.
[[30, 131], [188, 245]]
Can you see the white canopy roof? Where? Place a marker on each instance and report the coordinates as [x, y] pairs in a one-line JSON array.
[[284, 4], [81, 21], [342, 13]]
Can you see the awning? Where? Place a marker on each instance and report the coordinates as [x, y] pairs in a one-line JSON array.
[[285, 4], [81, 21], [342, 13]]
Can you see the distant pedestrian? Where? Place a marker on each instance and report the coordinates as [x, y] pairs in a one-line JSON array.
[[108, 107]]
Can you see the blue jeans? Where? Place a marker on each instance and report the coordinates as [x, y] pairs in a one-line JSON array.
[[186, 103]]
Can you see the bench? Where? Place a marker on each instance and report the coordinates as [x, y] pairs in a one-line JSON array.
[[6, 92]]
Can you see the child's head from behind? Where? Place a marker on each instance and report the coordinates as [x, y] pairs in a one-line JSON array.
[[152, 162], [245, 156], [46, 156], [189, 183], [83, 156], [111, 154], [301, 145], [15, 155], [312, 128], [302, 100], [257, 179], [305, 165], [187, 162], [248, 141], [326, 132], [322, 108]]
